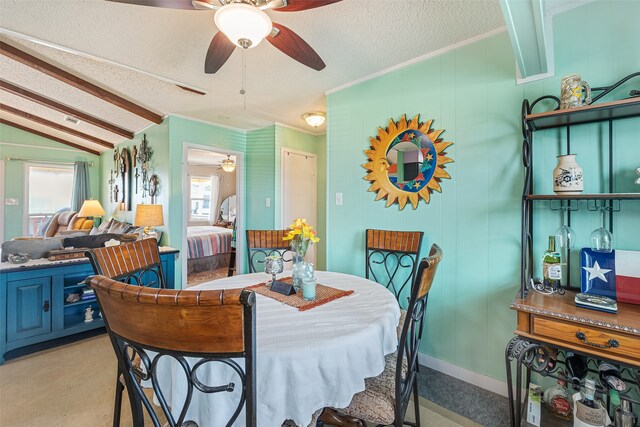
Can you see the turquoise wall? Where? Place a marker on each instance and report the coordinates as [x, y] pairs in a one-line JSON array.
[[471, 93], [261, 158], [158, 140], [38, 148]]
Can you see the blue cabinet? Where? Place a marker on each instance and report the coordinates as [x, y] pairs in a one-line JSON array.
[[33, 301]]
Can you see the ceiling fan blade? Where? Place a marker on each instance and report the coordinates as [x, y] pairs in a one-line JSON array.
[[296, 5], [219, 51], [292, 44], [171, 4]]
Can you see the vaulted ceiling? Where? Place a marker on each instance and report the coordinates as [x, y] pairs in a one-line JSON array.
[[143, 53]]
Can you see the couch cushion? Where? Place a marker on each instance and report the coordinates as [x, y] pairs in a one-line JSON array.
[[66, 217], [102, 228], [96, 241], [119, 227], [35, 248]]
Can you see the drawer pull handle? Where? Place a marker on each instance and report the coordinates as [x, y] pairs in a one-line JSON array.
[[610, 344]]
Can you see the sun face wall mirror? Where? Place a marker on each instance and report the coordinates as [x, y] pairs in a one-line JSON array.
[[406, 162]]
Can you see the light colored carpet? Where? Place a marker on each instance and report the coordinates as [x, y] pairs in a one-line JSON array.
[[206, 276], [73, 385]]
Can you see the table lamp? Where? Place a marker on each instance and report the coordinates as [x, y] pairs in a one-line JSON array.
[[149, 217], [92, 208]]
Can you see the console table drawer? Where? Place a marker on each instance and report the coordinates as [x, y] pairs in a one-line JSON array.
[[587, 337]]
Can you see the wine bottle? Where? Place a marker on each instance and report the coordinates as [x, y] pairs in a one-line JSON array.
[[576, 368], [589, 393], [551, 266]]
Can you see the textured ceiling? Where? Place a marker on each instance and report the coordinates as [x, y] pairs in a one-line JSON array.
[[355, 38]]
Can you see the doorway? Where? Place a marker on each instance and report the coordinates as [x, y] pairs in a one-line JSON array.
[[299, 190], [213, 215]]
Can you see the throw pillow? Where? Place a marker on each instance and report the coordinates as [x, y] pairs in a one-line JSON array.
[[118, 227]]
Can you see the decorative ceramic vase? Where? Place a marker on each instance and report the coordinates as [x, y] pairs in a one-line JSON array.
[[567, 176], [574, 92]]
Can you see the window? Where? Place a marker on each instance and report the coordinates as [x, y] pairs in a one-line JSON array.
[[49, 189], [203, 191]]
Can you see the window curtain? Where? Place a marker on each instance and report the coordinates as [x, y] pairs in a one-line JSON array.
[[214, 212], [80, 185]]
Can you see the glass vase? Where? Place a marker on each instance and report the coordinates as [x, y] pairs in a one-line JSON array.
[[299, 265]]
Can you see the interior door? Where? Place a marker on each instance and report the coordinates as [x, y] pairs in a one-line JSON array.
[[299, 190]]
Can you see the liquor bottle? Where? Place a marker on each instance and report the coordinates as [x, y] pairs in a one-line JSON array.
[[624, 415], [559, 399], [576, 368], [551, 266], [589, 393]]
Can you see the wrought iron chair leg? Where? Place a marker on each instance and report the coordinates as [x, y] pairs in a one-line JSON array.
[[416, 403], [117, 406]]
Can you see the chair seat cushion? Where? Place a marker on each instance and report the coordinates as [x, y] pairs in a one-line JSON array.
[[403, 316], [377, 402]]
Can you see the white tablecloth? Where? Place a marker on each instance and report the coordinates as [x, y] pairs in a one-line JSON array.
[[305, 360]]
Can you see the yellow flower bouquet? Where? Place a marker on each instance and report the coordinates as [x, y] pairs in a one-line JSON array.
[[301, 235]]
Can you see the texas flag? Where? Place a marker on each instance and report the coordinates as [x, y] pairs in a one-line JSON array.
[[597, 273], [628, 276]]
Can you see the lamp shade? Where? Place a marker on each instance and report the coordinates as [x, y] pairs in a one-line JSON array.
[[244, 25], [148, 216], [91, 208], [228, 165]]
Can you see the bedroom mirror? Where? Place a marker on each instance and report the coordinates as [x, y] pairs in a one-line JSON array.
[[228, 209]]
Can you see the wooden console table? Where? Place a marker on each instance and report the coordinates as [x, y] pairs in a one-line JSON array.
[[556, 321]]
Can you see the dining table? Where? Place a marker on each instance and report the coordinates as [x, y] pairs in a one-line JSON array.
[[305, 360]]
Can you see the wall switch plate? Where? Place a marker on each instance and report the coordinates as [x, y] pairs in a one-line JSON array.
[[11, 202], [338, 199], [267, 202]]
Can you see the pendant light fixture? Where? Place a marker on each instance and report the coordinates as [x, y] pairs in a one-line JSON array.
[[244, 25], [228, 165]]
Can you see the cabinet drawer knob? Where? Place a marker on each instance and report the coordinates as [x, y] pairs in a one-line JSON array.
[[610, 344]]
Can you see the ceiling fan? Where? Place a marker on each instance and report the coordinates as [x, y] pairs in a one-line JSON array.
[[244, 23]]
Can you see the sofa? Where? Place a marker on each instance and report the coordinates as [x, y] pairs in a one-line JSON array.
[[95, 238], [65, 222]]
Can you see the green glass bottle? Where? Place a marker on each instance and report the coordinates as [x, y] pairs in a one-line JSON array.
[[551, 266]]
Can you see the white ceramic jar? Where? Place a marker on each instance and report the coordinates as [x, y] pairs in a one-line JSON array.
[[567, 176]]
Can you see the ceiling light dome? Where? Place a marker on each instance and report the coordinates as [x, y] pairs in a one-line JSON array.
[[244, 25], [315, 118]]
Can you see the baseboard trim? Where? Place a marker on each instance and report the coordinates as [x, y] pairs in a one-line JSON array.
[[480, 380]]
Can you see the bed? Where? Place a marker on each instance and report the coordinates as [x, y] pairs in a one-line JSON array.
[[209, 248]]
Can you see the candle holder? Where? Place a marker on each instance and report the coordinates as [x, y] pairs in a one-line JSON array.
[[273, 265]]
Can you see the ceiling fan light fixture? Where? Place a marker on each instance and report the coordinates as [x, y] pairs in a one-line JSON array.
[[228, 165], [244, 25], [314, 118]]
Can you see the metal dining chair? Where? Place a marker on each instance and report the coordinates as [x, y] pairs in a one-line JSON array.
[[264, 243], [386, 397], [136, 263], [195, 329], [392, 258]]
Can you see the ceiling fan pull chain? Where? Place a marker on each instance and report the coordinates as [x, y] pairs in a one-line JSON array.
[[244, 78]]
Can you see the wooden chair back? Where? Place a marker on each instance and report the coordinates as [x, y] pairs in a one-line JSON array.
[[208, 327], [264, 243], [136, 263], [411, 336], [392, 257]]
